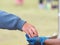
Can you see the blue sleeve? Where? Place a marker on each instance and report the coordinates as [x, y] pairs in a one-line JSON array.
[[10, 21]]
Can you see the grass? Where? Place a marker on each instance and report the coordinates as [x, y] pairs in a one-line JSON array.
[[45, 21]]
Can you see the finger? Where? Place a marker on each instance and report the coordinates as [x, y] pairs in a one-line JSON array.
[[27, 32], [34, 31], [31, 33]]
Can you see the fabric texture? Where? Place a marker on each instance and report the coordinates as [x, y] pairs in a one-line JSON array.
[[36, 39], [10, 21]]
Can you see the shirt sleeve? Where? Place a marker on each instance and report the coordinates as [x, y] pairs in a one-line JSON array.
[[10, 21]]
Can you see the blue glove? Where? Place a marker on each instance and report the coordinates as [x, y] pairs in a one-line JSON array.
[[33, 40]]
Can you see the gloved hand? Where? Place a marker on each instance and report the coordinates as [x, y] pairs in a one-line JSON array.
[[37, 39]]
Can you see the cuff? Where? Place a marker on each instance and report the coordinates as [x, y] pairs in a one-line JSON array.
[[20, 24]]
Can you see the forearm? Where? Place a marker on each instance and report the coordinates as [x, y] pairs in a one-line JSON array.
[[10, 21], [52, 42]]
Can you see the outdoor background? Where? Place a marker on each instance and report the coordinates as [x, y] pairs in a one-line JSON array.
[[45, 21]]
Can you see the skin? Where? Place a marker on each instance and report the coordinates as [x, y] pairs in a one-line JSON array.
[[52, 42], [30, 30]]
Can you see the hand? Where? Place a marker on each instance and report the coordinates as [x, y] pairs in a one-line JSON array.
[[30, 30], [52, 42]]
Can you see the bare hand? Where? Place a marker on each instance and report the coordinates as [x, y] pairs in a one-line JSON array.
[[30, 30]]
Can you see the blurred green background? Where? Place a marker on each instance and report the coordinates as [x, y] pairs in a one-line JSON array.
[[45, 21]]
